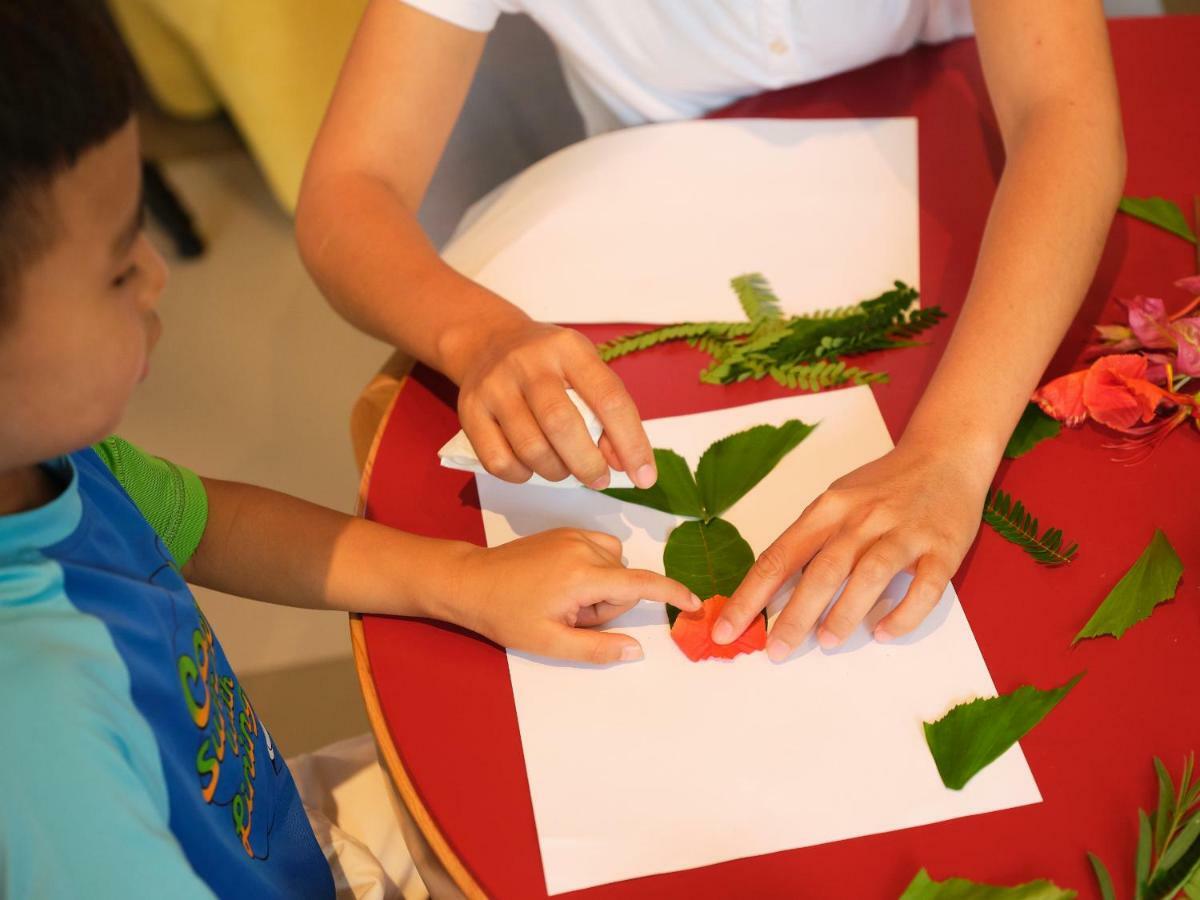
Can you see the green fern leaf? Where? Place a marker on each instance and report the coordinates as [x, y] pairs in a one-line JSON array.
[[758, 300], [1014, 523]]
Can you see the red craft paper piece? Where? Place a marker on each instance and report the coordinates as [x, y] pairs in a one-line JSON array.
[[692, 631]]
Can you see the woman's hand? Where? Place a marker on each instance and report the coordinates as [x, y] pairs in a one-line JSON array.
[[513, 374], [541, 594], [914, 510]]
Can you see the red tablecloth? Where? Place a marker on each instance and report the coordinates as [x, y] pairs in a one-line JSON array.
[[446, 695]]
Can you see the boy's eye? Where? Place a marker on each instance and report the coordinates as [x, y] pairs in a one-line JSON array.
[[126, 276]]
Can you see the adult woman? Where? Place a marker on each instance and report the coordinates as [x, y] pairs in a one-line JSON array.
[[1050, 77]]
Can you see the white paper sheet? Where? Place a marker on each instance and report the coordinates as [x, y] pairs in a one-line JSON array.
[[649, 224], [666, 764]]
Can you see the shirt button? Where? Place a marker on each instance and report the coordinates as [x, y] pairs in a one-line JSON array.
[[778, 46]]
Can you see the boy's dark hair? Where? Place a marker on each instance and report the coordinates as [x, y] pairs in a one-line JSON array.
[[66, 85]]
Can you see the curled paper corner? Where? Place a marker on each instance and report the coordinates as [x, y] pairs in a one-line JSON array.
[[457, 453]]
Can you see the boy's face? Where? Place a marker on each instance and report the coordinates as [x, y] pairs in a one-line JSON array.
[[83, 321]]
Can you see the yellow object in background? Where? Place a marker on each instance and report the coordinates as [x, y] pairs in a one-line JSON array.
[[271, 64]]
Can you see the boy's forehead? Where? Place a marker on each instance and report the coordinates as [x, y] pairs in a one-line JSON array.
[[95, 198]]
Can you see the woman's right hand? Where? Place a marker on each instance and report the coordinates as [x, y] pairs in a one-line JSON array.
[[513, 374]]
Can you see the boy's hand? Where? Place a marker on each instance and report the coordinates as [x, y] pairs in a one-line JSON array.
[[910, 510], [541, 594], [513, 405]]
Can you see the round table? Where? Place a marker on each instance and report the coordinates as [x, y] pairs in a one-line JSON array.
[[440, 698]]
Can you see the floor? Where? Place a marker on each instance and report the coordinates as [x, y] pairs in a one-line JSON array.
[[255, 376]]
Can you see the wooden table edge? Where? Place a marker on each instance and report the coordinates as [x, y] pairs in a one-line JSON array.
[[398, 367]]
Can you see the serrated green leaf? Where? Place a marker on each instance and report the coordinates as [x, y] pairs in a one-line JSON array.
[[974, 734], [1141, 865], [674, 492], [758, 300], [732, 466], [1150, 581], [1013, 522], [1033, 428], [1103, 879], [1160, 212], [708, 558], [922, 887]]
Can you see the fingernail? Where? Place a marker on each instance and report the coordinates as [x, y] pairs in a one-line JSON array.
[[600, 483], [631, 653], [722, 632], [777, 650], [645, 476], [882, 635], [827, 639], [696, 604]]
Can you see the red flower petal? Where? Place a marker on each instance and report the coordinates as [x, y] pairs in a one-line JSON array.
[[1062, 398], [1117, 394], [692, 632]]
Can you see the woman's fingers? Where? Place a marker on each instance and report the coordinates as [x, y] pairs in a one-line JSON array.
[[607, 397], [774, 566], [821, 579], [527, 441], [564, 428], [928, 585], [882, 561], [491, 446], [588, 646]]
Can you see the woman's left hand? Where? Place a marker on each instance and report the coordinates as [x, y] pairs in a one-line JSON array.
[[915, 509]]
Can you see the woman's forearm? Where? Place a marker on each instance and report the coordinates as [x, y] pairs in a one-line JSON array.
[[371, 259], [1044, 236]]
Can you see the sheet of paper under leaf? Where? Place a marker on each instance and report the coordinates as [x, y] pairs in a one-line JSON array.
[[974, 734], [1033, 428], [1150, 581], [923, 887]]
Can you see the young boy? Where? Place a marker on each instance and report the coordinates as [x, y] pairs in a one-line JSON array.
[[131, 762]]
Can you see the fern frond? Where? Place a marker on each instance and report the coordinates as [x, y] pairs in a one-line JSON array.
[[758, 300], [1014, 523], [684, 330]]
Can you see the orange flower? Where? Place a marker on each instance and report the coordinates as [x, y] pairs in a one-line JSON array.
[[1062, 398], [1117, 393], [692, 631]]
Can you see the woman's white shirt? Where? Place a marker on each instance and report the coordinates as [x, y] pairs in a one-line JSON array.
[[628, 62]]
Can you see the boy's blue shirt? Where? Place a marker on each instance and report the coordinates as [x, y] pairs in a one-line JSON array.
[[131, 762]]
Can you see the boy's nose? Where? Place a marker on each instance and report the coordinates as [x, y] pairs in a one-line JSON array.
[[156, 271]]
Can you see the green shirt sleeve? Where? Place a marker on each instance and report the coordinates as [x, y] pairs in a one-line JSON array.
[[172, 498]]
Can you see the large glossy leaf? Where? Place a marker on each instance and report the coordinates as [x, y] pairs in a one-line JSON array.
[[1033, 428], [733, 465], [922, 887], [974, 734], [1160, 212], [1150, 581], [674, 491], [709, 558]]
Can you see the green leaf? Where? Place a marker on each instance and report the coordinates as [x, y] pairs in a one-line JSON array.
[[1160, 212], [1033, 428], [1141, 866], [1192, 888], [758, 300], [922, 887], [708, 558], [1176, 854], [1102, 877], [674, 492], [974, 734], [1150, 581], [1015, 524], [732, 466], [1164, 816]]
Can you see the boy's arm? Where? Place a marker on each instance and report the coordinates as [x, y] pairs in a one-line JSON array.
[[1050, 76], [530, 594], [396, 100]]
